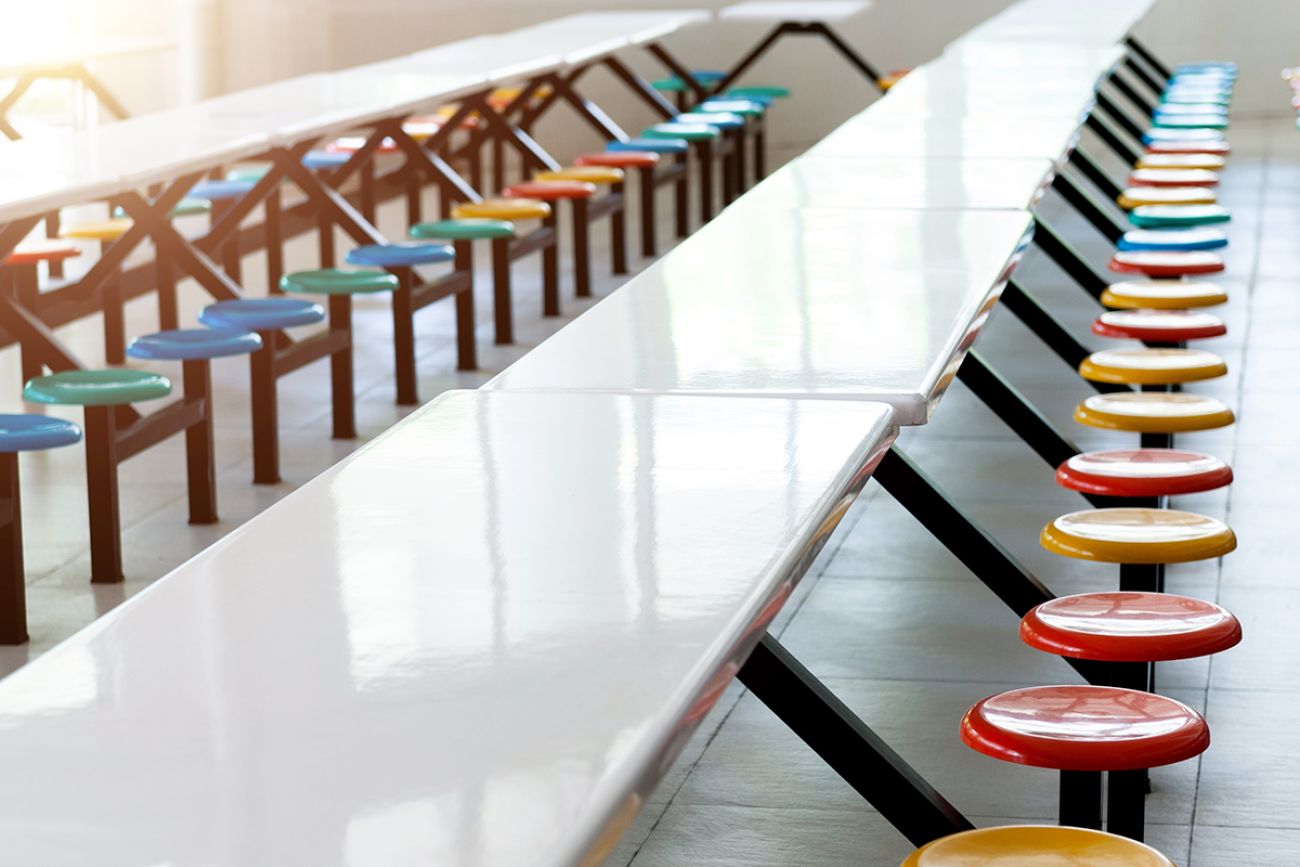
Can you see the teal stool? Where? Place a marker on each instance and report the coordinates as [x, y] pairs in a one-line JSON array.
[[703, 139], [462, 233], [20, 433], [102, 394], [675, 174]]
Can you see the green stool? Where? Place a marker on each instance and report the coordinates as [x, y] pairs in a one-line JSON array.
[[463, 231], [703, 139], [103, 394]]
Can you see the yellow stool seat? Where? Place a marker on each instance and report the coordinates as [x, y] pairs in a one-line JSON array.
[[1035, 846], [1209, 162], [503, 209], [587, 174], [97, 230], [1153, 412], [1138, 536], [1136, 196], [1151, 366], [1163, 294]]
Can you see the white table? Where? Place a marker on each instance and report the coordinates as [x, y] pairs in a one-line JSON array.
[[1100, 23], [478, 641], [850, 304], [830, 11], [929, 137]]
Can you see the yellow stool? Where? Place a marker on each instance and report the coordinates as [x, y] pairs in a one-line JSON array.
[[1136, 196], [1151, 366], [107, 232], [503, 209], [1035, 846], [104, 231], [1138, 535], [602, 175], [1151, 412], [1163, 295], [613, 205]]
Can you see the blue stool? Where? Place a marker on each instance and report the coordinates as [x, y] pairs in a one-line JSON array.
[[224, 193], [1173, 240], [278, 356], [400, 260], [20, 433], [195, 348]]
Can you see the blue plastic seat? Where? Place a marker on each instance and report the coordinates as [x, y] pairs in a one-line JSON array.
[[653, 145], [24, 433], [1195, 238], [316, 160], [262, 314], [189, 344], [720, 119], [222, 190], [401, 254]]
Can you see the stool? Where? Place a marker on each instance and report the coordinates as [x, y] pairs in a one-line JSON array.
[[545, 238], [1157, 135], [101, 393], [280, 356], [1163, 295], [701, 138], [195, 348], [106, 233], [578, 194], [1159, 327], [1154, 415], [1194, 238], [20, 433], [223, 193], [1030, 845], [1133, 197], [400, 260], [1146, 367], [1166, 177], [645, 164], [676, 85], [21, 276], [1176, 216], [755, 114], [613, 204], [462, 232], [1209, 162], [1218, 148], [674, 174], [1213, 121], [730, 149], [1143, 474], [1085, 731], [1159, 263]]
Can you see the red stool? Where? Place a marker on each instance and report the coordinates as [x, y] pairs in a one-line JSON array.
[[644, 163], [1085, 731], [578, 194], [1173, 178], [1157, 263], [1161, 327], [1143, 473]]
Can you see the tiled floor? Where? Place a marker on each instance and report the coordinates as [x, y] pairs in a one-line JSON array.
[[891, 620]]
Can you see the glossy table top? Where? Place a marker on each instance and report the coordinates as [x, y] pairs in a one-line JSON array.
[[831, 303], [1096, 23], [903, 182], [442, 650], [872, 134], [829, 11]]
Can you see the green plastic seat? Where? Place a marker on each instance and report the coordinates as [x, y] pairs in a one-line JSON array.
[[190, 206], [336, 281], [763, 91], [464, 229], [96, 387], [1177, 216], [685, 131]]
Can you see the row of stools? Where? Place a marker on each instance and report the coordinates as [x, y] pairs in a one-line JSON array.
[[1104, 737], [721, 130]]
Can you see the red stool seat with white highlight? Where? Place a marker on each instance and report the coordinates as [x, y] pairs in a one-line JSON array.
[[1130, 627], [1143, 473], [550, 190], [1159, 326], [1085, 728], [1173, 178], [1158, 263], [620, 159]]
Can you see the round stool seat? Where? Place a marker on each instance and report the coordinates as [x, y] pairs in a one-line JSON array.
[[1138, 536], [186, 207], [317, 160], [1151, 366], [1194, 238], [665, 145], [687, 131], [742, 107], [400, 254], [336, 281], [1035, 846], [719, 119], [1159, 326], [22, 432], [1153, 412], [464, 229], [1174, 216], [1143, 473], [502, 209], [1196, 94], [550, 190], [1191, 109], [1207, 161], [1165, 263], [43, 250], [587, 174], [1136, 196], [187, 344], [1216, 148], [1163, 294], [262, 314], [1130, 627], [1190, 121], [225, 190], [1172, 178], [1084, 728], [620, 159], [1160, 134], [252, 173], [97, 230], [96, 387], [760, 91], [677, 84]]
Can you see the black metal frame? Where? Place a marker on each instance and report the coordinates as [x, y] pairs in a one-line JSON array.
[[801, 28]]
